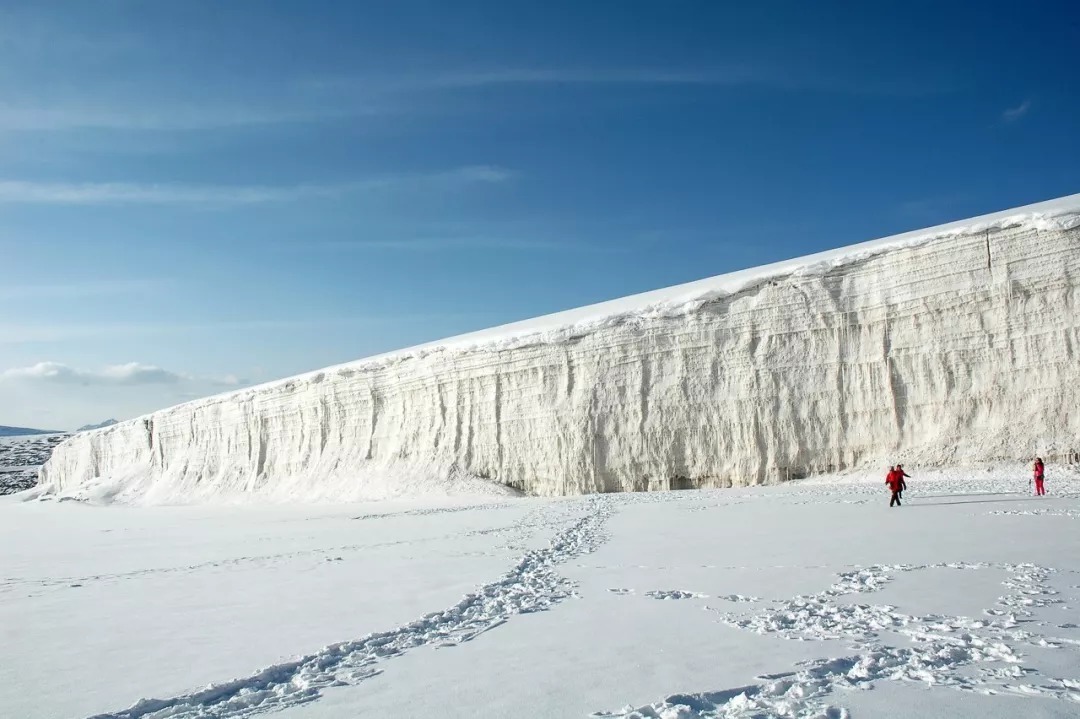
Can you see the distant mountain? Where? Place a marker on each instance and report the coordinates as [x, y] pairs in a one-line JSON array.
[[20, 431], [88, 427]]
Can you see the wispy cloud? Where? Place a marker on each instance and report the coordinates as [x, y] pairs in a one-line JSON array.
[[131, 374], [27, 36], [118, 193], [167, 116], [1013, 114], [113, 193], [734, 75], [570, 76], [79, 290], [435, 244], [333, 99]]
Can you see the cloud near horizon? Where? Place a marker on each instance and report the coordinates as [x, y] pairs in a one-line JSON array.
[[128, 374]]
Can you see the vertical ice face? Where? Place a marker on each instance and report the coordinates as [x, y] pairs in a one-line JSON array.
[[959, 347]]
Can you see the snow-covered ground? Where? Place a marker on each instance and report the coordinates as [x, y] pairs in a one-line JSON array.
[[813, 599]]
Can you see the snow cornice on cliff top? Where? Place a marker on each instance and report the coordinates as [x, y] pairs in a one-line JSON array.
[[1059, 214]]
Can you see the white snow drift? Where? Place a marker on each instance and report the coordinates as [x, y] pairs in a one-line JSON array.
[[957, 344]]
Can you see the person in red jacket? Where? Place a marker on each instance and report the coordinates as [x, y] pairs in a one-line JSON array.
[[895, 480], [1040, 476], [900, 471]]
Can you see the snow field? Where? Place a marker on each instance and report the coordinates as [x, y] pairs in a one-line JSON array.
[[791, 601]]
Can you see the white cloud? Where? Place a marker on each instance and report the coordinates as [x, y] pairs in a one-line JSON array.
[[475, 174], [28, 36], [732, 75], [88, 116], [130, 374], [435, 244], [644, 76], [56, 193], [1013, 114], [310, 100], [454, 178], [143, 108], [113, 193]]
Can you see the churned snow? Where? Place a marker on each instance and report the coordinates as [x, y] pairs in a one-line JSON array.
[[956, 345], [813, 600]]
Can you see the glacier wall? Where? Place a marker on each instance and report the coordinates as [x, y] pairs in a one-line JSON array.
[[956, 348]]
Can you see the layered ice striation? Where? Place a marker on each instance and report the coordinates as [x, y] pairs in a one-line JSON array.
[[953, 345]]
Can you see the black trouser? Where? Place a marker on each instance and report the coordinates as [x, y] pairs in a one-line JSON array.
[[895, 498]]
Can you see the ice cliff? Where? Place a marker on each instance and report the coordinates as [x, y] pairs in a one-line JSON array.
[[953, 345]]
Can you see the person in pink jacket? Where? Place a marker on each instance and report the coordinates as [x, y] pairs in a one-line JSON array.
[[1040, 477]]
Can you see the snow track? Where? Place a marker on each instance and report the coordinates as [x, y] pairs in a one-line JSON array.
[[942, 649], [38, 586], [667, 594], [533, 585]]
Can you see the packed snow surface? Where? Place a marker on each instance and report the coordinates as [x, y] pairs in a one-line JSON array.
[[812, 600], [952, 345]]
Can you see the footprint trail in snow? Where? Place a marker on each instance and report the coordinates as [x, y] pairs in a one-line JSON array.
[[533, 585], [940, 647]]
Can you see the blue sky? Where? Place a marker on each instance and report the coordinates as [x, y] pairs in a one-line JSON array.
[[199, 195]]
